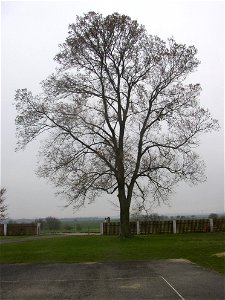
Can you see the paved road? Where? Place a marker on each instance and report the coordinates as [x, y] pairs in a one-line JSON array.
[[163, 279]]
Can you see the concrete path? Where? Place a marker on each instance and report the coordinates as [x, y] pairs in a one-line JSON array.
[[162, 279]]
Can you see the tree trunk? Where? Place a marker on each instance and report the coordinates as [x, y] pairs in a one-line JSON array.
[[123, 199], [124, 223], [124, 216]]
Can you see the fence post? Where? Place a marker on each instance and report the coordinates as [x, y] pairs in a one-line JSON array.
[[174, 226], [138, 227], [5, 229], [101, 228], [38, 228], [211, 225]]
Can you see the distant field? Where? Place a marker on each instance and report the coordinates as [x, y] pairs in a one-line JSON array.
[[198, 248], [85, 226], [77, 226]]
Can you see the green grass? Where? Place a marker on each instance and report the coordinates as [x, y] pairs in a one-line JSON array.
[[198, 248], [11, 237]]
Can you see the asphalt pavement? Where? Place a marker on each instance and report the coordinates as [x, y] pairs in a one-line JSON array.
[[162, 279]]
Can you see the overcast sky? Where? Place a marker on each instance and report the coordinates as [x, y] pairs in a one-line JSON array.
[[30, 35]]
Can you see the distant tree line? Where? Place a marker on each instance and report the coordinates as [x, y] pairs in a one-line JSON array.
[[157, 217], [49, 223], [213, 216]]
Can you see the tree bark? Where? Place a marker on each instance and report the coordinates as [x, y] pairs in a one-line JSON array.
[[124, 215]]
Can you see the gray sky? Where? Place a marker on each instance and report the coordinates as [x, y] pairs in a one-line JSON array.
[[30, 35]]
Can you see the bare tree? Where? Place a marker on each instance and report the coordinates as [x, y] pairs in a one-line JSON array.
[[3, 206], [117, 116], [213, 216], [52, 223]]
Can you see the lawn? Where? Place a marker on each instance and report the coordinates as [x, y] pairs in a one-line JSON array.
[[198, 248], [9, 237]]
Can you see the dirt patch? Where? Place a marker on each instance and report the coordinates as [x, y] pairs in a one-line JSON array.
[[222, 254], [132, 286], [180, 260]]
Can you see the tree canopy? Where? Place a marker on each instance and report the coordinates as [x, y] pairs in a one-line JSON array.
[[117, 116]]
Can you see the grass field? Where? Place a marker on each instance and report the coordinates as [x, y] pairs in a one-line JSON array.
[[198, 248]]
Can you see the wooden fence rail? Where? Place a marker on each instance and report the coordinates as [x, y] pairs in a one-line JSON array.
[[219, 224], [19, 229], [172, 226], [1, 229], [184, 226], [152, 227]]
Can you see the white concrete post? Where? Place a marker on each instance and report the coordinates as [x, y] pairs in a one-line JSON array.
[[5, 229], [101, 228], [38, 228], [211, 225], [174, 226], [138, 227]]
